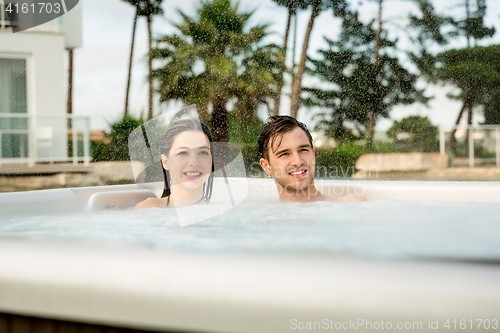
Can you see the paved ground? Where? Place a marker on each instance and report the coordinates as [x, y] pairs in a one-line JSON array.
[[455, 173], [47, 176], [44, 169]]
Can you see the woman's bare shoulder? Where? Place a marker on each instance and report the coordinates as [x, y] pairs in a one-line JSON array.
[[151, 203]]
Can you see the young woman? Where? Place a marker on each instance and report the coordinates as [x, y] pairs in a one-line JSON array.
[[188, 166]]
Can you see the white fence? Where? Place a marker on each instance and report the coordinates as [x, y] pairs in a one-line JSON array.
[[488, 135], [34, 139]]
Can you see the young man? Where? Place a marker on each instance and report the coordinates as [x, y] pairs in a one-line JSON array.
[[287, 152]]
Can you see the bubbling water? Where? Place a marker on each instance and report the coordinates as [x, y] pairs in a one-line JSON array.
[[382, 228]]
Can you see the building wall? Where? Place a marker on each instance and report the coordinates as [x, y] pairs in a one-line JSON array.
[[72, 27], [46, 93]]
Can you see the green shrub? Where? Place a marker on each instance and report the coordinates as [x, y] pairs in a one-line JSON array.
[[243, 131], [251, 157], [388, 147], [330, 163], [117, 150], [99, 150], [461, 150], [338, 162], [422, 135]]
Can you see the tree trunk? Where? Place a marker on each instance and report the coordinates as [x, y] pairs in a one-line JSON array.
[[220, 153], [277, 98], [219, 122], [69, 106], [150, 98], [376, 65], [203, 113], [297, 79], [125, 112], [371, 128], [451, 140], [469, 116], [379, 35], [294, 43], [469, 122], [467, 31]]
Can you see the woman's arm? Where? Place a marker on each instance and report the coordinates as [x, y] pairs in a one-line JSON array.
[[151, 203]]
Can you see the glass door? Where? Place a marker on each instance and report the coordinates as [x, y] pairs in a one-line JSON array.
[[13, 108]]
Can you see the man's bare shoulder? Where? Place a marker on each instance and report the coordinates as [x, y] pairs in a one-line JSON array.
[[349, 198], [151, 203]]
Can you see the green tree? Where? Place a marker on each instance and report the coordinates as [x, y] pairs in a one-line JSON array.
[[214, 59], [474, 29], [362, 92], [428, 30], [476, 71], [414, 134], [492, 108], [472, 25]]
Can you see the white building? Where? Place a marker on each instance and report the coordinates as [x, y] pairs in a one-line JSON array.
[[33, 118]]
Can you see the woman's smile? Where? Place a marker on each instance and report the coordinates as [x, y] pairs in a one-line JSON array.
[[193, 175]]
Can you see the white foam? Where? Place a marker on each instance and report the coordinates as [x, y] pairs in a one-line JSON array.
[[381, 228]]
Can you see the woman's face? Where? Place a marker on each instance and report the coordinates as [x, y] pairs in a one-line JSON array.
[[190, 160]]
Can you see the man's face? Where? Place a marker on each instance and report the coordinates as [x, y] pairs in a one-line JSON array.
[[291, 161]]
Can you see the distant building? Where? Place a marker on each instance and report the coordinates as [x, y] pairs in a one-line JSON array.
[[33, 121]]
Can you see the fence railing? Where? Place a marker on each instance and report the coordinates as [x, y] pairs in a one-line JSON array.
[[485, 137], [31, 139]]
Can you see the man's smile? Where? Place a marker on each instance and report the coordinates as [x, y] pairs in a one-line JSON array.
[[300, 173]]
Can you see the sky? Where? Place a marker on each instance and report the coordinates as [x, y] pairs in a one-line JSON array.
[[101, 64]]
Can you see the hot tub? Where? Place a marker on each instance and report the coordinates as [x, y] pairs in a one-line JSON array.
[[416, 256]]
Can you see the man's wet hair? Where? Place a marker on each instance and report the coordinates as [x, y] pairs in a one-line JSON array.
[[274, 129]]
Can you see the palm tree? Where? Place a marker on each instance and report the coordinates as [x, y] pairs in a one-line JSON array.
[[134, 3], [150, 8], [261, 78], [214, 59], [317, 6], [292, 6], [147, 8]]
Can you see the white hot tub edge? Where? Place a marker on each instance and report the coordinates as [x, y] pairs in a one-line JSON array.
[[141, 288]]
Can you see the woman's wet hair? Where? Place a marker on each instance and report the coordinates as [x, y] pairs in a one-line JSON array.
[[274, 129], [167, 142]]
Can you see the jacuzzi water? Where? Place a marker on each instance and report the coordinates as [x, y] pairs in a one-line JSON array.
[[381, 229]]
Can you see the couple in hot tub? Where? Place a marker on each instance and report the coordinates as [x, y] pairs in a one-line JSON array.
[[287, 154]]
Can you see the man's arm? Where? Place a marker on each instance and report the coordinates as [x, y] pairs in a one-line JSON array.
[[350, 198]]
